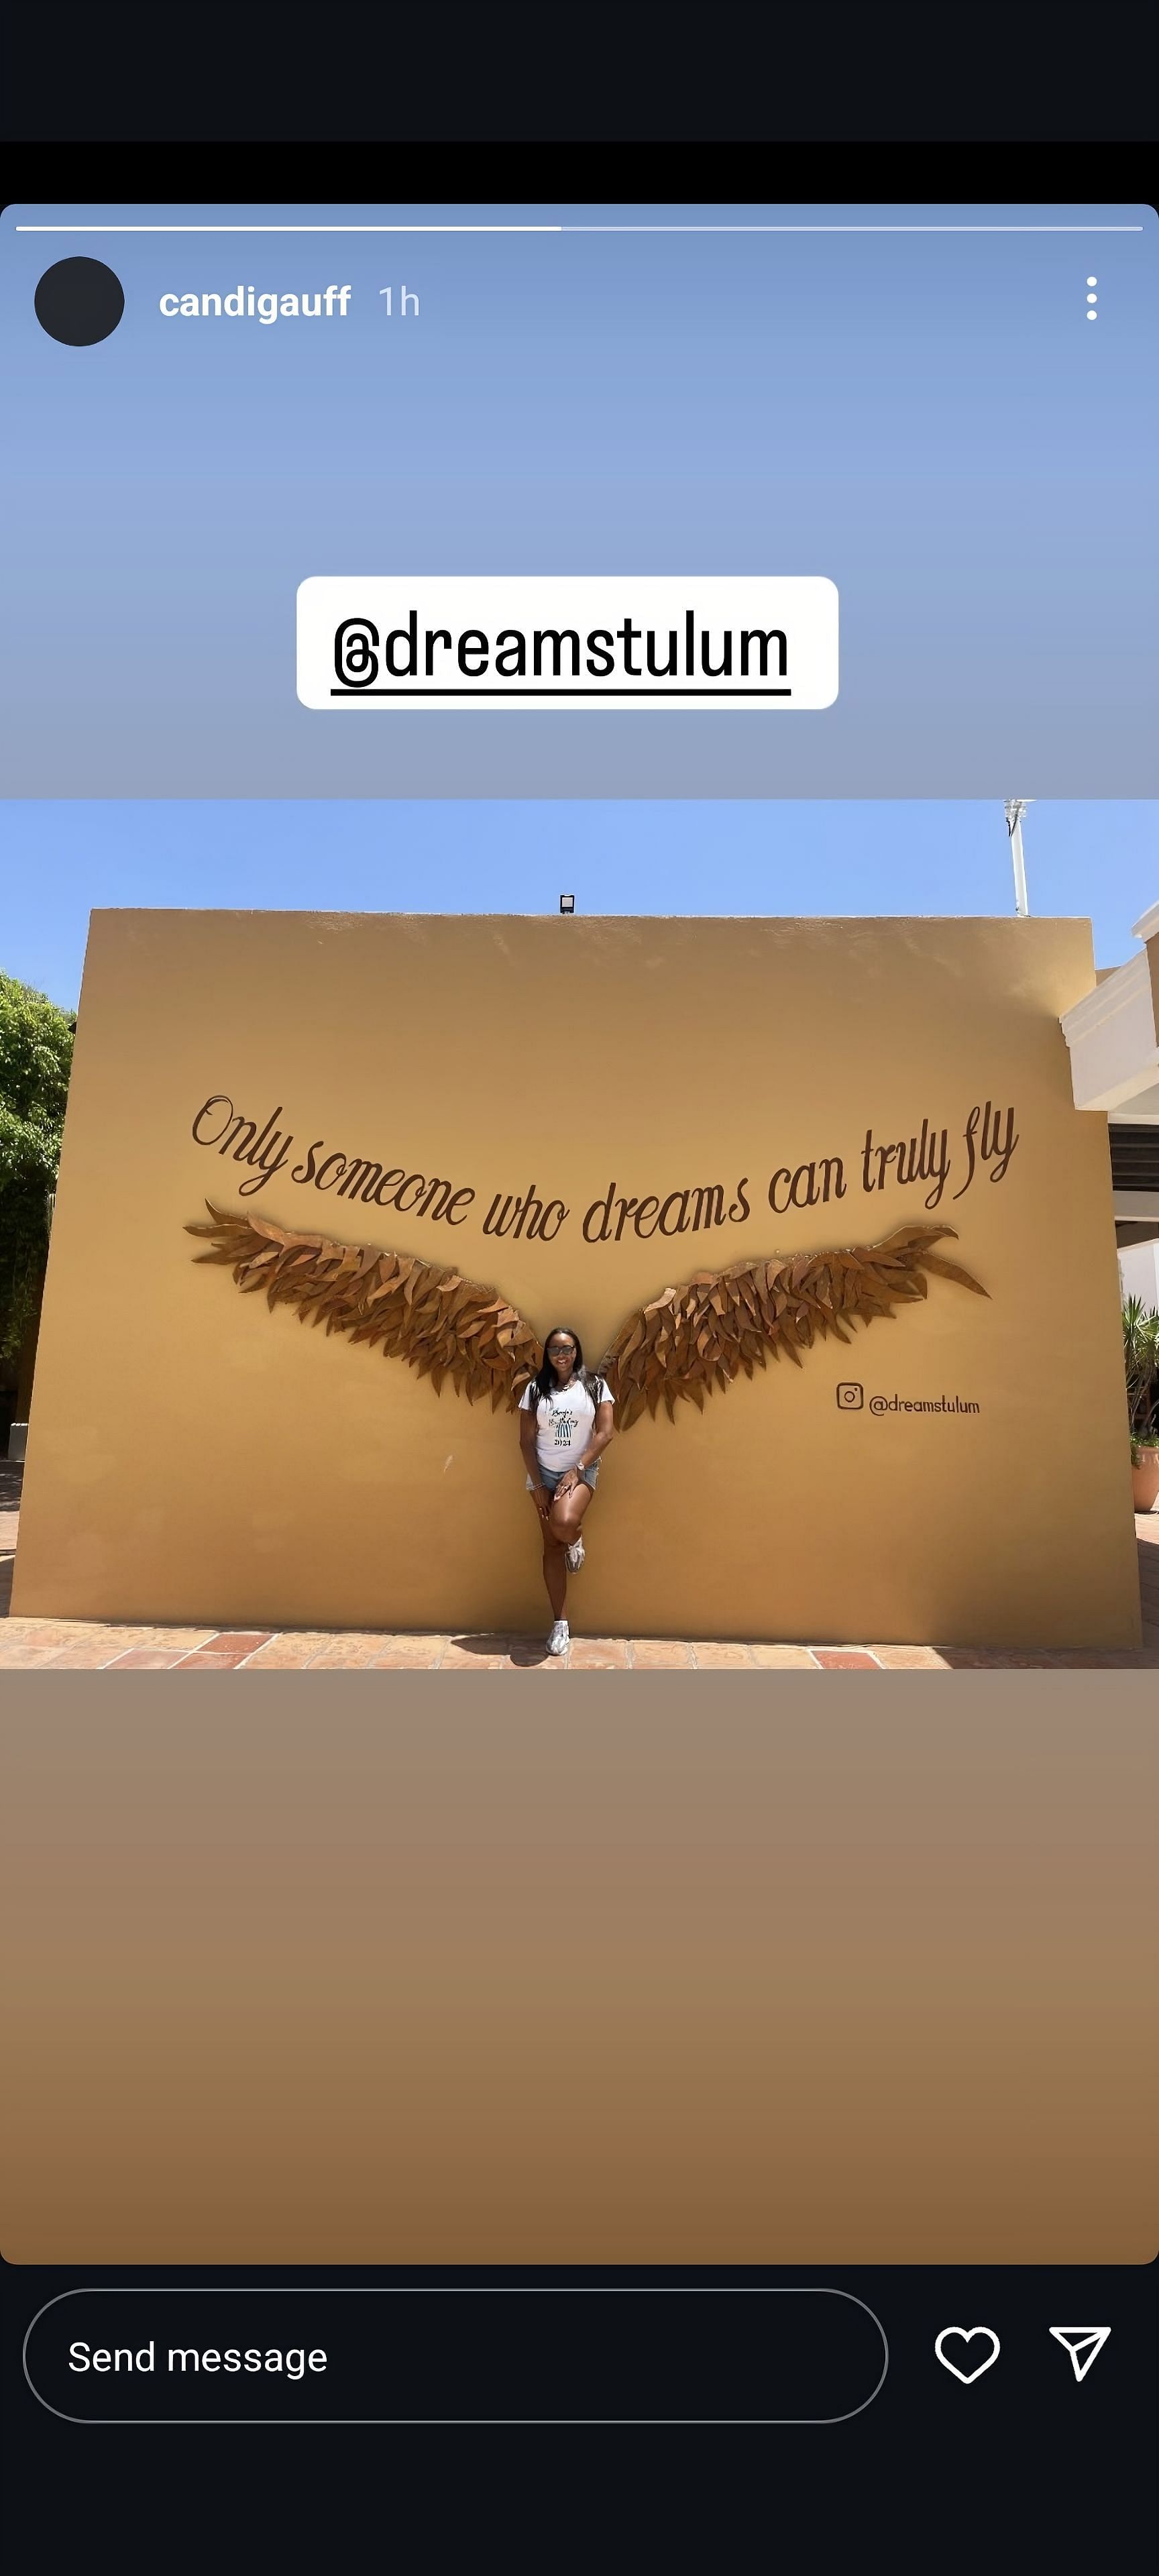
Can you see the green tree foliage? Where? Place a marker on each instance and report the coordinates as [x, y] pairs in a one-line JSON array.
[[1141, 1363], [35, 1056]]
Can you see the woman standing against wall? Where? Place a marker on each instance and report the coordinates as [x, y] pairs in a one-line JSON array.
[[565, 1423]]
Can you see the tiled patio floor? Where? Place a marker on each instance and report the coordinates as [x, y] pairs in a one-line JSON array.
[[76, 1645]]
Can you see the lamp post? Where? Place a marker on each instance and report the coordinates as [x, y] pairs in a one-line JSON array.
[[1014, 809]]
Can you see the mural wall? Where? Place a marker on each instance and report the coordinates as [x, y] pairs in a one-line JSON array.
[[814, 1193]]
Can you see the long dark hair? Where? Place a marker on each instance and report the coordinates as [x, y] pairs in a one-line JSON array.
[[546, 1378]]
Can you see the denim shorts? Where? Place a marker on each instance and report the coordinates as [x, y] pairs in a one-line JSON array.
[[550, 1476]]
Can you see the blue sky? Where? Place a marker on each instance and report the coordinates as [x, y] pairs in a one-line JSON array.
[[924, 415], [59, 861]]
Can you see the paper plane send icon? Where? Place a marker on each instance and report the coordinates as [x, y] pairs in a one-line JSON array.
[[1084, 2344]]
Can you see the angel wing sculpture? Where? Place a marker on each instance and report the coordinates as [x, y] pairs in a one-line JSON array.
[[682, 1344]]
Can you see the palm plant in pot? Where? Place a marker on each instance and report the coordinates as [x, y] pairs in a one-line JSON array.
[[1141, 1364]]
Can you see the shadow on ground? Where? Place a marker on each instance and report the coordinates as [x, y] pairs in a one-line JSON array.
[[518, 1650]]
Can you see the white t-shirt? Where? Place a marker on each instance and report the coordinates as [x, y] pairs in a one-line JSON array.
[[564, 1419]]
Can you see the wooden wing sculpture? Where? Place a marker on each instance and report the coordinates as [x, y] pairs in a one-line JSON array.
[[682, 1344]]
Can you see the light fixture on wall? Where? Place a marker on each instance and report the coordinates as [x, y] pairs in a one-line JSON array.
[[567, 903]]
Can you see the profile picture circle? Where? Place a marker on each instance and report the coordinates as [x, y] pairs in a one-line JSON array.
[[79, 301]]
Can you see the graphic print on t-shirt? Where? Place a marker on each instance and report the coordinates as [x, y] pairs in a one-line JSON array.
[[564, 1420]]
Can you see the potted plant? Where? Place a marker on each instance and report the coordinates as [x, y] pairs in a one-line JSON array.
[[1141, 1364]]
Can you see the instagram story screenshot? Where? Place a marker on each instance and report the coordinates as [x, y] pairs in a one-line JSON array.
[[579, 1236]]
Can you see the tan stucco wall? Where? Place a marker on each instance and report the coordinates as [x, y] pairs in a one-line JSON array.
[[193, 1457]]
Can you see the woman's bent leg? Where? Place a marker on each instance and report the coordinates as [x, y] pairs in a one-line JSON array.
[[566, 1514]]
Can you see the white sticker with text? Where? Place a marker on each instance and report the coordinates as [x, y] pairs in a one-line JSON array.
[[757, 644]]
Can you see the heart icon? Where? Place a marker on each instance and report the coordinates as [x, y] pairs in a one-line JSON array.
[[961, 2337]]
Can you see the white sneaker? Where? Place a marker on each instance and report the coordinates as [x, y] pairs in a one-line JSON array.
[[560, 1638], [573, 1556]]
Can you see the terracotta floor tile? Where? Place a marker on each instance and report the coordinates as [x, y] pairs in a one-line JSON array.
[[145, 1659], [90, 1654], [187, 1639], [389, 1663], [911, 1659], [1049, 1659], [206, 1660], [289, 1651], [995, 1659], [409, 1654], [347, 1653], [118, 1632], [92, 1645], [224, 1641], [48, 1636], [598, 1655], [1098, 1659], [27, 1658]]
